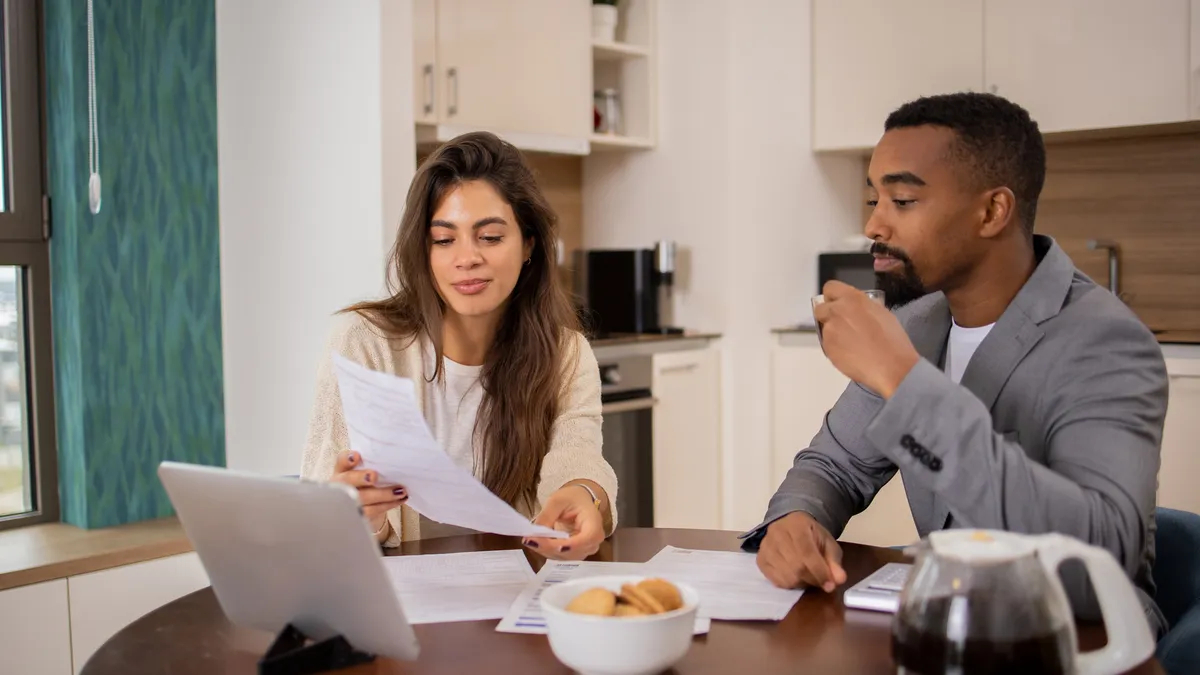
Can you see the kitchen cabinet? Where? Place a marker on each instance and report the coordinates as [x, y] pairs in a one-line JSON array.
[[1088, 64], [867, 62], [686, 430], [425, 76], [35, 629], [804, 386], [520, 68], [1194, 65], [1180, 445], [104, 602]]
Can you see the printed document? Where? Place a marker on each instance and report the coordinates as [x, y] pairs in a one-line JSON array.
[[386, 427], [441, 588], [526, 615], [731, 586]]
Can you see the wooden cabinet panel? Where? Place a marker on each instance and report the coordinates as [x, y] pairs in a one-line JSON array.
[[425, 73], [804, 387], [687, 439], [35, 629], [867, 61], [1180, 449], [1089, 64], [519, 66], [103, 603]]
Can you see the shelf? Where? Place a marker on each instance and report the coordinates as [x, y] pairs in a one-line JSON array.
[[618, 51], [613, 142]]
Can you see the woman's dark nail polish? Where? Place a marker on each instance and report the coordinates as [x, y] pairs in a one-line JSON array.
[[399, 492], [531, 544], [565, 549]]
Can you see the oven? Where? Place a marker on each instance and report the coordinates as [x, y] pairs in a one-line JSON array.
[[627, 408], [856, 268]]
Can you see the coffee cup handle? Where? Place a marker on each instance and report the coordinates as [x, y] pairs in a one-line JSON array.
[[1129, 640]]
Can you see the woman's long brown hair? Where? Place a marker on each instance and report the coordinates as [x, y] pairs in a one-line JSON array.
[[523, 374]]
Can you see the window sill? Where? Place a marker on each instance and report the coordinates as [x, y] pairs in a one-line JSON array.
[[30, 555]]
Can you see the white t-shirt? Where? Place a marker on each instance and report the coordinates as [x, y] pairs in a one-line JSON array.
[[451, 407], [962, 346]]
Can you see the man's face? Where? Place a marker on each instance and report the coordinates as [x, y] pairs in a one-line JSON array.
[[923, 213]]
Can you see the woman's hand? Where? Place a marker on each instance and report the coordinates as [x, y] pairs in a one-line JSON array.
[[376, 501], [570, 509]]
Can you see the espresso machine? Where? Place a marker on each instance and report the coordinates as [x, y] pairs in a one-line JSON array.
[[626, 290]]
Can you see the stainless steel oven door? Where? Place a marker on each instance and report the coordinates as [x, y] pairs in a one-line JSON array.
[[628, 447]]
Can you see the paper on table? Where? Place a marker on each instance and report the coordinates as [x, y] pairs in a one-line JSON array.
[[458, 586], [730, 583], [387, 429], [526, 615]]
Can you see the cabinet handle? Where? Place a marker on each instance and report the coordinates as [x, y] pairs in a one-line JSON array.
[[1179, 376], [428, 74], [681, 368], [452, 80], [995, 89]]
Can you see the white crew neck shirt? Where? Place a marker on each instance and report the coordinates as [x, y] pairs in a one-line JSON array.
[[451, 407], [961, 347]]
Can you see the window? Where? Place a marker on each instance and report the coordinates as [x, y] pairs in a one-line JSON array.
[[28, 470]]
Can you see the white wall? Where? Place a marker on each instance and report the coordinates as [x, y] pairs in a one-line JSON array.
[[734, 182], [304, 150]]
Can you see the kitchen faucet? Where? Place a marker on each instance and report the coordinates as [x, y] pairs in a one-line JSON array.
[[1113, 272]]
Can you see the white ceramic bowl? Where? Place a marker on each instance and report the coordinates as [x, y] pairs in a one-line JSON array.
[[605, 645]]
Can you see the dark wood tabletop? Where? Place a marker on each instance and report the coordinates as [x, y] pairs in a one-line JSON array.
[[192, 635]]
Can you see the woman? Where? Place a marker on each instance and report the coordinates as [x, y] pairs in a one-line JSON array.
[[481, 324]]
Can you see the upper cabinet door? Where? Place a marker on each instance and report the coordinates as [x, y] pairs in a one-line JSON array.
[[515, 65], [1194, 70], [425, 75], [867, 61], [1090, 64]]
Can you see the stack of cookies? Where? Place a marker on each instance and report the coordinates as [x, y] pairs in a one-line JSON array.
[[649, 596]]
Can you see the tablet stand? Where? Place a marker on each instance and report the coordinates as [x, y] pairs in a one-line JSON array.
[[290, 655]]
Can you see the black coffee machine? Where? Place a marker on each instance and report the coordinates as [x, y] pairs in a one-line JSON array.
[[626, 290]]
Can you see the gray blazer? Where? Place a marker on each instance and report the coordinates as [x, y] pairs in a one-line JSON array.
[[1055, 428]]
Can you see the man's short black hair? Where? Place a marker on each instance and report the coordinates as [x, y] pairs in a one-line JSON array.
[[998, 140]]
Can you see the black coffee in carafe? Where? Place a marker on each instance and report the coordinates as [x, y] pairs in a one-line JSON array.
[[918, 650]]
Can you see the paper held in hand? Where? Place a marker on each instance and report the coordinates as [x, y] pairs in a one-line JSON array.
[[386, 427]]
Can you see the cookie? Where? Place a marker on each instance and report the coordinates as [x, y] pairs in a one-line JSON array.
[[626, 609], [664, 591], [641, 599], [596, 601]]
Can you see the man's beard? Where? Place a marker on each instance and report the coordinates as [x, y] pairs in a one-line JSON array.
[[899, 287]]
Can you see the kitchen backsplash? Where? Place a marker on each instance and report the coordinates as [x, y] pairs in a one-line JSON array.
[[1143, 193]]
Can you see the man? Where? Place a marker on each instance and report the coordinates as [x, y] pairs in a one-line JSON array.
[[1009, 390]]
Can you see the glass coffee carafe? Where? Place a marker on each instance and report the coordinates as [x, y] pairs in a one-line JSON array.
[[979, 602]]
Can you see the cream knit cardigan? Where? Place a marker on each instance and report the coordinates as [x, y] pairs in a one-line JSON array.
[[575, 440]]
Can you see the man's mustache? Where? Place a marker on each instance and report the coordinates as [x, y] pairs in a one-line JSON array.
[[880, 248]]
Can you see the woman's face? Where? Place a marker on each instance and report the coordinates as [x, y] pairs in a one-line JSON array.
[[476, 250]]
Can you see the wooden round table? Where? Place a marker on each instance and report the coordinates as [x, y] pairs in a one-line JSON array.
[[192, 635]]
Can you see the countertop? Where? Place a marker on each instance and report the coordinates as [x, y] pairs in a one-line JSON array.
[[645, 338], [1172, 337], [37, 553]]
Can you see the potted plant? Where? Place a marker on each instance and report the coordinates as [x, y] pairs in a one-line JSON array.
[[604, 20]]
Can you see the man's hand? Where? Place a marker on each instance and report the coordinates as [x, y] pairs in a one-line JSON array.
[[798, 551], [863, 339]]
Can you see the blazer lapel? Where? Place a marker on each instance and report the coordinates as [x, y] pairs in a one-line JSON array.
[[1016, 333]]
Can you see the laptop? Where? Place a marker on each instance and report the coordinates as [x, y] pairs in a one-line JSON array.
[[282, 551]]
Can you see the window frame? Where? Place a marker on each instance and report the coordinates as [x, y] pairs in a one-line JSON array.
[[24, 242]]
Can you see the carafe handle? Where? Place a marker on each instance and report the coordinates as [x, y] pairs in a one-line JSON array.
[[1129, 639]]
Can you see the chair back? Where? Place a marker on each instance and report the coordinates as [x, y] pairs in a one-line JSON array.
[[1177, 581]]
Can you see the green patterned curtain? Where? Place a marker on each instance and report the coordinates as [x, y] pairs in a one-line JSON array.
[[136, 288]]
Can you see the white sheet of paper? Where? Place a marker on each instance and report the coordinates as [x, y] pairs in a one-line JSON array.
[[386, 427], [440, 588], [526, 615], [730, 584]]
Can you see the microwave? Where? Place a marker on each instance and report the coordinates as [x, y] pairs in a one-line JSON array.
[[856, 268]]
